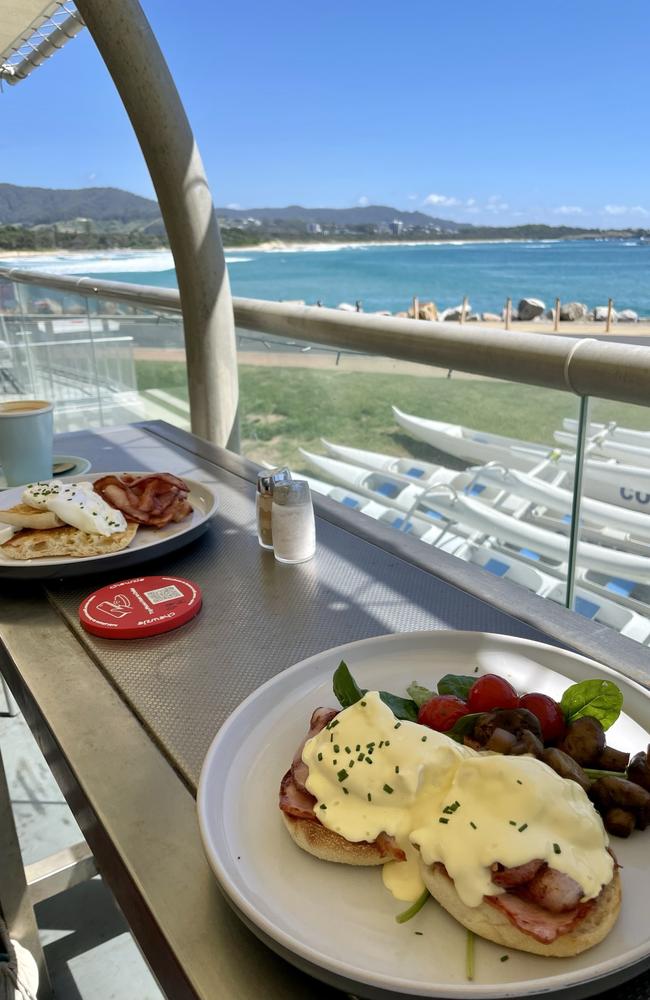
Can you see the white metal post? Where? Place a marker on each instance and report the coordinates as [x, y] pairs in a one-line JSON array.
[[138, 68]]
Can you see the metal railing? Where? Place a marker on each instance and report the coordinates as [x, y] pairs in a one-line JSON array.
[[581, 366]]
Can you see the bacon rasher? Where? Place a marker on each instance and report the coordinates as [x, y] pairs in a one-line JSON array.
[[152, 499]]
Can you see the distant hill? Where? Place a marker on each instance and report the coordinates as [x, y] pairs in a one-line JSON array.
[[32, 206], [361, 215]]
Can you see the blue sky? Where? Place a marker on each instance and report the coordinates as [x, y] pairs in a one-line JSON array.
[[505, 111]]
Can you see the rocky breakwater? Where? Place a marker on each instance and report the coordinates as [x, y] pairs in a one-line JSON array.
[[528, 310]]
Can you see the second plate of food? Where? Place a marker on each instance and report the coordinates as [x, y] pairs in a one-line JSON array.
[[147, 543], [338, 922]]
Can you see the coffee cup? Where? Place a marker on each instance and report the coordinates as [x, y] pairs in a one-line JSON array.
[[26, 432]]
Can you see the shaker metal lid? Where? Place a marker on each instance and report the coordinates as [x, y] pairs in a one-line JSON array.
[[292, 493], [143, 606], [267, 479]]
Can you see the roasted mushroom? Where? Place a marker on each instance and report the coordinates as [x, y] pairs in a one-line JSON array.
[[528, 743], [584, 740], [620, 822], [612, 793], [639, 769], [512, 720], [613, 760], [566, 766]]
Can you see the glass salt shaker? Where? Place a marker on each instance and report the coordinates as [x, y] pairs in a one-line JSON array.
[[266, 482], [294, 530]]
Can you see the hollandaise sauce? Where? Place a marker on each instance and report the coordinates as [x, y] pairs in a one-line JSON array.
[[371, 773]]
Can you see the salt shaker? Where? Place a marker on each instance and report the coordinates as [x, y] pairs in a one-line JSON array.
[[294, 531], [266, 481]]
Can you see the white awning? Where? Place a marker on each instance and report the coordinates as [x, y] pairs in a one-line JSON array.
[[31, 31]]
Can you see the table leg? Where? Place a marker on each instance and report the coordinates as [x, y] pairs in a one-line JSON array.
[[15, 903]]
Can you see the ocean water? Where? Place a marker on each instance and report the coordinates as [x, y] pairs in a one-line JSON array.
[[387, 277]]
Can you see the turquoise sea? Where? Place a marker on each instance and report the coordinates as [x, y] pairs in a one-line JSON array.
[[386, 277]]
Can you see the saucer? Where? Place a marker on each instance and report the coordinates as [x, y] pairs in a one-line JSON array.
[[62, 465]]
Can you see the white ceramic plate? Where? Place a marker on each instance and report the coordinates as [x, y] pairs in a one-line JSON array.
[[147, 544], [338, 922]]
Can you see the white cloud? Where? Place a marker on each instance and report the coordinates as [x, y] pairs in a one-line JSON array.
[[495, 203], [412, 197], [92, 177], [234, 205], [569, 210], [364, 200], [470, 202], [441, 199], [625, 210]]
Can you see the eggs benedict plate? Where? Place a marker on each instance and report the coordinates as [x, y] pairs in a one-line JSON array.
[[467, 825], [72, 526]]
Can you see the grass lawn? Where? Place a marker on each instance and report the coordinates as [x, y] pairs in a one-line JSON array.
[[284, 408]]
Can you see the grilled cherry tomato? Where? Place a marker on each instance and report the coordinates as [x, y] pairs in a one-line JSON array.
[[441, 712], [549, 714], [491, 691]]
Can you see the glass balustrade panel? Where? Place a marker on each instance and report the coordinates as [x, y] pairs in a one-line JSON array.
[[100, 362], [329, 415], [613, 559]]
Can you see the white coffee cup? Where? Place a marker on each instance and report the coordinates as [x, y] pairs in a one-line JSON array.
[[26, 434]]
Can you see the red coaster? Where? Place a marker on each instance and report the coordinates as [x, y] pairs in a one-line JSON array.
[[144, 606]]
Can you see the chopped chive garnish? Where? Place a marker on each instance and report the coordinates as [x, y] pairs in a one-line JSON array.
[[358, 747], [335, 762], [387, 743], [424, 739], [513, 822], [556, 848], [333, 723], [350, 763], [368, 760], [397, 725], [336, 748], [381, 744], [504, 958], [443, 820], [475, 670], [345, 791], [361, 756], [388, 789], [414, 908], [331, 737], [473, 825], [369, 797], [519, 783], [320, 756], [397, 769], [342, 774], [523, 827], [363, 704], [347, 750], [323, 806], [419, 933]]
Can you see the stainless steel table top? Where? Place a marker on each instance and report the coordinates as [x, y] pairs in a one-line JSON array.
[[258, 618]]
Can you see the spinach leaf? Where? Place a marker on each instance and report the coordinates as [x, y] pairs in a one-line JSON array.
[[457, 684], [346, 689], [464, 726], [348, 692], [402, 708], [600, 699], [419, 694]]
